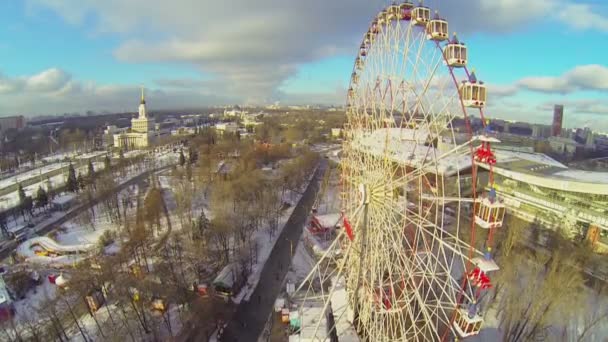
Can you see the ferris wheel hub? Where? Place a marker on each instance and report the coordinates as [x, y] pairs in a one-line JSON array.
[[363, 194]]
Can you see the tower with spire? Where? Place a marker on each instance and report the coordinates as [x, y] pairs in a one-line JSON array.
[[142, 105], [142, 129], [142, 124]]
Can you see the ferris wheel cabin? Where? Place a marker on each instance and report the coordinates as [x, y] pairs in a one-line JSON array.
[[421, 15], [473, 93], [359, 64], [393, 11], [489, 212], [455, 53], [369, 38], [375, 28], [437, 29], [467, 325], [382, 18], [405, 10], [363, 51], [354, 78], [351, 93]]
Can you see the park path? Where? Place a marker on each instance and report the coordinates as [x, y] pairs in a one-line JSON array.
[[250, 317]]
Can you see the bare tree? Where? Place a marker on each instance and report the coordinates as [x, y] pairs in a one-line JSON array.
[[543, 292]]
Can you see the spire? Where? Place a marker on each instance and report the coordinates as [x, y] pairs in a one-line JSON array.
[[473, 77], [143, 100], [142, 105]]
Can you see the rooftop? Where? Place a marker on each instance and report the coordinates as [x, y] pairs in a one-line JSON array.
[[407, 146], [541, 170]]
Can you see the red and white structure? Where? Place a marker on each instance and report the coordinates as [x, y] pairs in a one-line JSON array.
[[408, 271]]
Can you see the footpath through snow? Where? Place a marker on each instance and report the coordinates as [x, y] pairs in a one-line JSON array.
[[254, 312]]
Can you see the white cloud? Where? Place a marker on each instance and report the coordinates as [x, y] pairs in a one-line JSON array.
[[583, 77], [47, 81], [8, 85], [251, 48], [498, 90], [583, 17], [54, 91], [248, 49]]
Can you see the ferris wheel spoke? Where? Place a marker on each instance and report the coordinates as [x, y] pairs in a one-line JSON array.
[[405, 260], [426, 88], [433, 260], [427, 225]]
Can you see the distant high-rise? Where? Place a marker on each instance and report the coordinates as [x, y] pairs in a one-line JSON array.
[[558, 117]]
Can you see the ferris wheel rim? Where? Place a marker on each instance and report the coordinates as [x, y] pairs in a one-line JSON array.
[[370, 193]]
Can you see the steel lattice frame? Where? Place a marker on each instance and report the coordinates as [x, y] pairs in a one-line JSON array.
[[403, 265]]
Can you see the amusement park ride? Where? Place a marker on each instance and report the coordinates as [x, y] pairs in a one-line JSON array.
[[408, 272]]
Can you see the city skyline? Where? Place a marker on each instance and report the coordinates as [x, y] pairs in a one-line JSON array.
[[60, 56]]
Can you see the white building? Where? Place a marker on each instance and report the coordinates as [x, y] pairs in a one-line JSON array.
[[142, 132], [183, 131], [538, 188], [234, 113], [226, 127]]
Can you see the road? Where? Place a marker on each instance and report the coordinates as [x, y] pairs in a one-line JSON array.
[[250, 317], [49, 226]]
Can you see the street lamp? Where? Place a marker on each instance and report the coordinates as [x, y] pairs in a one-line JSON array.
[[290, 248]]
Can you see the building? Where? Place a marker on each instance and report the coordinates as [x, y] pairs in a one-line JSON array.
[[558, 118], [564, 146], [110, 132], [589, 139], [183, 131], [235, 113], [11, 122], [142, 132], [538, 188], [230, 127], [541, 131]]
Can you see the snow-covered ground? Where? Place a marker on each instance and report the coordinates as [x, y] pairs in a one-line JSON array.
[[12, 200], [38, 172], [265, 246], [29, 308], [75, 234], [266, 243]]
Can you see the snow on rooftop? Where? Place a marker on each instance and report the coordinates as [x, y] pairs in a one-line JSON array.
[[61, 254], [583, 176], [506, 156], [310, 317], [133, 153], [64, 198], [329, 220], [227, 275], [91, 155], [37, 172], [407, 146]]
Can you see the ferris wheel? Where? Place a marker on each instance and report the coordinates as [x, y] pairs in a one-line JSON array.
[[404, 266]]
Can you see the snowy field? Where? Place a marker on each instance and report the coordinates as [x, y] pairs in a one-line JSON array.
[[266, 243], [77, 233], [12, 200]]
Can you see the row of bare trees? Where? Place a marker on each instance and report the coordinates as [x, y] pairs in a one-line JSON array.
[[541, 291]]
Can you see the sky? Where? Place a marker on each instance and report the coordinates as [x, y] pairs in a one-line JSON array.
[[63, 56]]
